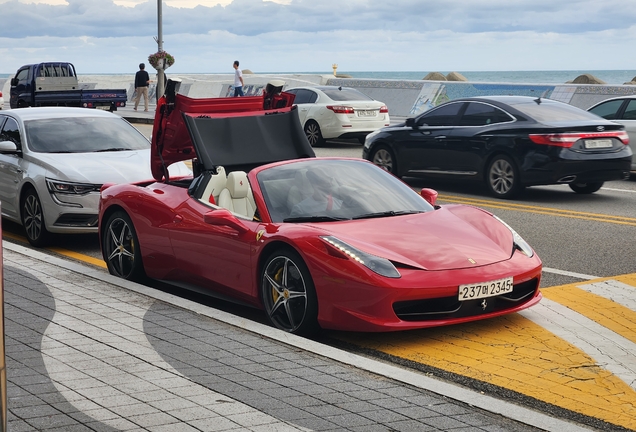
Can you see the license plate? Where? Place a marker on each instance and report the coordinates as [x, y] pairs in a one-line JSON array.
[[485, 289], [103, 107], [599, 143], [366, 113]]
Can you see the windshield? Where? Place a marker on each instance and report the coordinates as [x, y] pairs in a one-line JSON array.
[[550, 111], [327, 190], [83, 135]]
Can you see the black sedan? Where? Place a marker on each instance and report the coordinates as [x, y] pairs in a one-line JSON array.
[[508, 142]]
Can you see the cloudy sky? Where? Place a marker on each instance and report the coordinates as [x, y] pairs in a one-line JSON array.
[[205, 36]]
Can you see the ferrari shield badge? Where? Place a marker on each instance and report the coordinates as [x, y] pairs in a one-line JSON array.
[[259, 234]]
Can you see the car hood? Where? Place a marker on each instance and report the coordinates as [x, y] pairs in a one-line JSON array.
[[236, 133], [452, 237], [97, 168]]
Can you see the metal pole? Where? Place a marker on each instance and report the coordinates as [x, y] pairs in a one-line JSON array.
[[160, 74]]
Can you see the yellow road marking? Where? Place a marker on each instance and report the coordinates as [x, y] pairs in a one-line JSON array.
[[596, 217], [60, 251], [514, 353]]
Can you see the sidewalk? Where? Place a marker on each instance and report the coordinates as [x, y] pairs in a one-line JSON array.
[[90, 352]]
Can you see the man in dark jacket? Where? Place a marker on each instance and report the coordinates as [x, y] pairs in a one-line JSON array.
[[142, 81]]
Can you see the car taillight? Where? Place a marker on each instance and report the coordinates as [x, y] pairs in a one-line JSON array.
[[384, 110], [568, 139], [339, 109]]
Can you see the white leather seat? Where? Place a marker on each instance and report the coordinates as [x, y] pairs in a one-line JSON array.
[[237, 195], [215, 186]]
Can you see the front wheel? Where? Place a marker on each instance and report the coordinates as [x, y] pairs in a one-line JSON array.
[[121, 248], [502, 177], [585, 188], [288, 293], [313, 133], [383, 157], [32, 216]]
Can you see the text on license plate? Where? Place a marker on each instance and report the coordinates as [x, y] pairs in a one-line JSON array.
[[103, 107], [366, 113], [485, 289], [599, 143]]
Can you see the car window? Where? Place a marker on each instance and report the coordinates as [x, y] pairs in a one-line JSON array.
[[345, 94], [445, 115], [304, 96], [608, 109], [630, 111], [481, 114], [83, 135], [22, 75], [11, 132]]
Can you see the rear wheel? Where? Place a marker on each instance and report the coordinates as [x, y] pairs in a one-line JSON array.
[[383, 157], [502, 177], [288, 293], [32, 216], [121, 248], [585, 188], [314, 136]]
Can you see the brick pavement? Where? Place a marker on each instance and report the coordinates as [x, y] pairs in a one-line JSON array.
[[89, 352]]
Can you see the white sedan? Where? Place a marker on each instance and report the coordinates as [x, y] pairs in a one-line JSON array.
[[54, 160], [330, 112]]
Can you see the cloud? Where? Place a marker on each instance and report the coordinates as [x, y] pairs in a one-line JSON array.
[[310, 35]]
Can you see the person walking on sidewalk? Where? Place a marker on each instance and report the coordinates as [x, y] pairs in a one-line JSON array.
[[238, 80], [142, 81]]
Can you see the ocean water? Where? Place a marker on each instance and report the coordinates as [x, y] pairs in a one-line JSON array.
[[526, 77]]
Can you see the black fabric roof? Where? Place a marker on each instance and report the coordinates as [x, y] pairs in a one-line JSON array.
[[246, 141]]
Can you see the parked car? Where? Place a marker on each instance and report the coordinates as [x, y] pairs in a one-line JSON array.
[[330, 112], [620, 110], [56, 84], [508, 142], [54, 160], [328, 243]]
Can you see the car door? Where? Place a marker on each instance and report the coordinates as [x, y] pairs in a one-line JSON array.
[[11, 170], [621, 111], [305, 99], [214, 256], [473, 138], [422, 148]]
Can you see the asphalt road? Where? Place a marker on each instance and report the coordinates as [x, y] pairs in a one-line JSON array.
[[580, 238]]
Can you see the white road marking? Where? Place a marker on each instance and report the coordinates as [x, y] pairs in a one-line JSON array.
[[99, 358], [616, 291], [610, 350], [568, 273]]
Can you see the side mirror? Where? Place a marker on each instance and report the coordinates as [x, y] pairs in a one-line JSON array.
[[8, 147], [14, 82], [430, 195], [223, 217], [410, 122]]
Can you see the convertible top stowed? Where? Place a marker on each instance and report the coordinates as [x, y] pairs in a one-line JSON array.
[[237, 133]]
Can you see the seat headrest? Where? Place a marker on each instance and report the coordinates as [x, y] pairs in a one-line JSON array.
[[237, 184]]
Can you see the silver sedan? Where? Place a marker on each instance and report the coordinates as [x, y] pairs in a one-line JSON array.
[[54, 160]]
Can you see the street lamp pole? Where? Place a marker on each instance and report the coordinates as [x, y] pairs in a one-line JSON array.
[[160, 72]]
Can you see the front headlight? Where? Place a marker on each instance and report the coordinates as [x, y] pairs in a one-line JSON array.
[[69, 188], [381, 266], [520, 243]]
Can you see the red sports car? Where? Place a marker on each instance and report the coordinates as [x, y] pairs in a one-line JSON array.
[[317, 242]]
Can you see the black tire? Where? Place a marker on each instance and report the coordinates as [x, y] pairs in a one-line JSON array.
[[288, 293], [32, 216], [585, 188], [22, 104], [121, 249], [314, 136], [502, 178], [384, 157]]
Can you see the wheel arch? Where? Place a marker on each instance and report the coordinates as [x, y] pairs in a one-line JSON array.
[[388, 144], [498, 152], [25, 188], [265, 253]]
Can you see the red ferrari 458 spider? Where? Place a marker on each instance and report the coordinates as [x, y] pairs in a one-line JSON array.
[[328, 243]]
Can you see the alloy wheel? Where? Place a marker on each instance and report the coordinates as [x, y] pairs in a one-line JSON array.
[[384, 159], [33, 219], [501, 177], [119, 248]]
